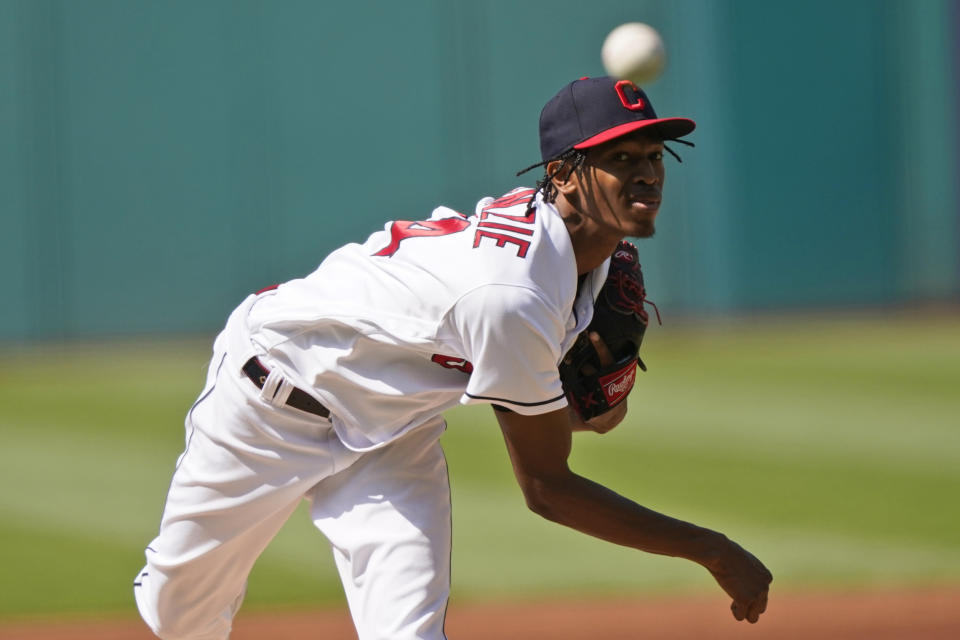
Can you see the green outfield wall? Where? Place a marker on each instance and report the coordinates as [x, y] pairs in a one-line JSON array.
[[159, 160]]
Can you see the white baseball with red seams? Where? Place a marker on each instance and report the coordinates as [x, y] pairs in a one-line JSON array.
[[634, 51], [387, 336]]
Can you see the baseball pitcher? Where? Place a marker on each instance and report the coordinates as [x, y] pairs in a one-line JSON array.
[[332, 387]]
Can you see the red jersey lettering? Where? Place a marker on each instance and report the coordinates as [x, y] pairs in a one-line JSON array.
[[403, 229], [506, 227], [513, 225], [451, 362], [502, 240], [510, 200]]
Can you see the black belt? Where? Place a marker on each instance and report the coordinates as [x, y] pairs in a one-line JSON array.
[[298, 399]]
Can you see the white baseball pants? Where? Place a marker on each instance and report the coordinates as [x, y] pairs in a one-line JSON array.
[[246, 466]]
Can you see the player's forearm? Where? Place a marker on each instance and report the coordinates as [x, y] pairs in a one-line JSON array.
[[593, 509], [539, 446]]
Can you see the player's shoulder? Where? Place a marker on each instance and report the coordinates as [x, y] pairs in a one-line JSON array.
[[522, 240], [517, 217], [514, 202]]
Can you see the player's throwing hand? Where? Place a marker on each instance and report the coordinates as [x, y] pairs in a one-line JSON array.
[[744, 578]]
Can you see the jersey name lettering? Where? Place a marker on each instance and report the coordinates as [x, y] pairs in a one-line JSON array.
[[509, 232], [494, 223]]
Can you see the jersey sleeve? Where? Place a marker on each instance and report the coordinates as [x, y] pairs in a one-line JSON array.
[[512, 337]]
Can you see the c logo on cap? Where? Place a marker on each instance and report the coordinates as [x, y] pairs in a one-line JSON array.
[[639, 104]]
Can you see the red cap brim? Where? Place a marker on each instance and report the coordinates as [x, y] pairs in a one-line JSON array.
[[667, 128]]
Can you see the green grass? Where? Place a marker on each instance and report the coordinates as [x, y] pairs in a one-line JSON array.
[[830, 447]]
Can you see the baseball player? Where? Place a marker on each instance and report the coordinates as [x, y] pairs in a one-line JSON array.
[[332, 387]]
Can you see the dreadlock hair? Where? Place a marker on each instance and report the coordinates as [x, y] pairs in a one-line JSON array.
[[674, 153], [545, 185], [576, 158]]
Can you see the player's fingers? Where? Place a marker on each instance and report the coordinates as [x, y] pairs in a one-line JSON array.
[[757, 607], [738, 610], [603, 352]]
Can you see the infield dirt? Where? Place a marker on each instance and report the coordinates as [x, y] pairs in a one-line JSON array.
[[929, 614]]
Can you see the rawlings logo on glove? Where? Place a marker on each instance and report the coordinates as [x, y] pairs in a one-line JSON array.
[[618, 385], [593, 388]]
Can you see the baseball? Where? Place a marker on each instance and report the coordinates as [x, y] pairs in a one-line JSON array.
[[634, 51]]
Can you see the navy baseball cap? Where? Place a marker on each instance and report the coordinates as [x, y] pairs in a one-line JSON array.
[[591, 111]]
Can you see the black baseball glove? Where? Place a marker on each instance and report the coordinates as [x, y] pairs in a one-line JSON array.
[[592, 387]]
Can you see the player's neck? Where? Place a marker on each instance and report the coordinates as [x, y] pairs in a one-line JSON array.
[[590, 247]]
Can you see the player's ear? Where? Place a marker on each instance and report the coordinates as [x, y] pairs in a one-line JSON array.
[[563, 180]]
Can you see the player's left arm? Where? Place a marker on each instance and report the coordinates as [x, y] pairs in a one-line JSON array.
[[539, 447]]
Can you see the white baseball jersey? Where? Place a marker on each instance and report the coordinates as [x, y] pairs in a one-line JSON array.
[[387, 334], [427, 314]]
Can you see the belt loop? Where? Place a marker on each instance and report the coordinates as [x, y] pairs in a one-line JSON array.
[[276, 389]]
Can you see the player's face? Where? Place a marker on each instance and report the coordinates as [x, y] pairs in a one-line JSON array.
[[621, 183]]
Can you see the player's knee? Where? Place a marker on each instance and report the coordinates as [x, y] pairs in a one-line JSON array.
[[172, 621], [166, 628], [174, 628], [163, 626]]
